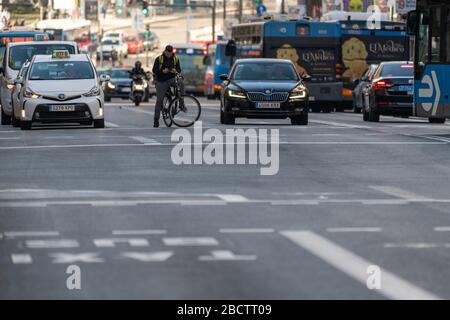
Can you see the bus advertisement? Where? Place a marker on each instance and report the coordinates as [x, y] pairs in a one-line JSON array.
[[430, 24]]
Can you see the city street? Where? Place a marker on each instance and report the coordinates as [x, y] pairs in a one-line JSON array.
[[348, 195]]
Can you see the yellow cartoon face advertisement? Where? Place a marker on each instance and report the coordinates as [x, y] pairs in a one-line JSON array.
[[354, 56]]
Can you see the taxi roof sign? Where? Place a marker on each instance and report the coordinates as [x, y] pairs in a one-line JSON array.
[[61, 54], [41, 37]]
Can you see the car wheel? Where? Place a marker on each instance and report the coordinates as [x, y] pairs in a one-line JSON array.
[[373, 116], [99, 123], [436, 120], [365, 115], [5, 118], [25, 125], [14, 121], [300, 120], [228, 118]]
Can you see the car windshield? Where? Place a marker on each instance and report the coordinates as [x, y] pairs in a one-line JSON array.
[[117, 74], [19, 54], [397, 70], [263, 71], [62, 70], [111, 42]]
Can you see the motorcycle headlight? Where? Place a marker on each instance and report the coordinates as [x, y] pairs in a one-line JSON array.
[[139, 87], [95, 91], [236, 94], [298, 93], [111, 85], [28, 93]]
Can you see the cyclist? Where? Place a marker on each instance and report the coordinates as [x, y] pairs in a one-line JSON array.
[[165, 68]]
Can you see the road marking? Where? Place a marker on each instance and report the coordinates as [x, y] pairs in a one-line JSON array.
[[15, 234], [246, 230], [225, 255], [148, 256], [52, 244], [10, 138], [355, 229], [442, 229], [111, 125], [417, 245], [326, 134], [86, 257], [137, 232], [21, 258], [398, 192], [340, 124], [354, 266], [134, 109], [233, 198], [190, 241], [111, 242], [146, 141]]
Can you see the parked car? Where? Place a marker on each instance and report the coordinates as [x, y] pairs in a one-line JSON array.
[[360, 86]]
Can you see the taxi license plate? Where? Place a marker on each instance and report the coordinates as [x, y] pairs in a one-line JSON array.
[[64, 108], [268, 105]]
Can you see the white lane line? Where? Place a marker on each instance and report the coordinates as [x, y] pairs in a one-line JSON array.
[[319, 143], [225, 255], [190, 241], [16, 234], [398, 192], [111, 125], [417, 245], [340, 124], [148, 256], [246, 230], [233, 198], [137, 110], [326, 134], [137, 232], [442, 229], [10, 138], [52, 244], [21, 258], [146, 141], [355, 229], [392, 286]]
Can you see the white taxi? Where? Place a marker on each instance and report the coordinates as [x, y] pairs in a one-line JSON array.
[[62, 88]]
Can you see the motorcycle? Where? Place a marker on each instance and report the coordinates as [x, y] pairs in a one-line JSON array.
[[138, 89]]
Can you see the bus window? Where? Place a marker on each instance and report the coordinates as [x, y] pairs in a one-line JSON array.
[[424, 28], [436, 34]]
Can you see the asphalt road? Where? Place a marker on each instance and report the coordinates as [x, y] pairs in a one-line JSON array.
[[349, 197]]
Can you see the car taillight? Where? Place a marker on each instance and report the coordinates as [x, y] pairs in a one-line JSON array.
[[382, 84]]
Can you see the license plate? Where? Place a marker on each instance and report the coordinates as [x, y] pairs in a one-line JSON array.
[[268, 105], [126, 89], [312, 98], [63, 108], [405, 88]]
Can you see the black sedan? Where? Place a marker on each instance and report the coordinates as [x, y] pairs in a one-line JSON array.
[[264, 88], [120, 84], [390, 92]]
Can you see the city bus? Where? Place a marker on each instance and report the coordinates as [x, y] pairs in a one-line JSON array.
[[65, 29], [334, 52], [430, 24], [313, 47], [216, 63]]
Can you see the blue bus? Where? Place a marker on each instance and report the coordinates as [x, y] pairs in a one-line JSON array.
[[216, 64], [334, 53], [430, 24]]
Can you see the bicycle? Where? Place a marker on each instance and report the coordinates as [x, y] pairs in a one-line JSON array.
[[178, 109]]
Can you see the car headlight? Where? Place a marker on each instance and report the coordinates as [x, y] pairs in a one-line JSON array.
[[236, 94], [139, 87], [111, 85], [298, 93], [28, 93], [95, 91]]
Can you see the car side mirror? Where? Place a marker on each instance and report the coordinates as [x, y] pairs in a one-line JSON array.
[[223, 77], [104, 78], [306, 77]]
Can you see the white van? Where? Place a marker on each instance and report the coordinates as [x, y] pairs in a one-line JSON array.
[[16, 54]]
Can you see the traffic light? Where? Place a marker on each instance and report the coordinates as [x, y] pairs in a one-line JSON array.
[[145, 9], [258, 2]]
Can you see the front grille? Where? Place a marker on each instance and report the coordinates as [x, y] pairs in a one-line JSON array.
[[276, 96], [57, 99]]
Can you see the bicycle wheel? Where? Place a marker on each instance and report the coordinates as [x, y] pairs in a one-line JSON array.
[[185, 110], [165, 111]]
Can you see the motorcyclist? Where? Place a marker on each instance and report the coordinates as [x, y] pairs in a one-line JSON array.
[[138, 70]]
